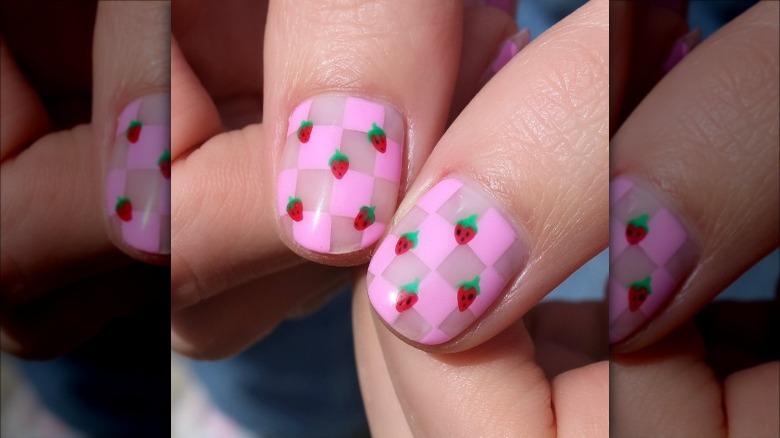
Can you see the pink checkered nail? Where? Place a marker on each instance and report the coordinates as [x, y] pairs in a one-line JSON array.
[[138, 185], [444, 263], [340, 172], [651, 251]]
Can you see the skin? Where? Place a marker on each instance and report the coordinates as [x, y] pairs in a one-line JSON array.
[[211, 163], [677, 376], [58, 256]]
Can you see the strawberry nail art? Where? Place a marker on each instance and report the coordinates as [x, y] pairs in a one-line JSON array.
[[651, 252], [429, 283], [407, 296], [342, 164], [138, 182], [406, 242]]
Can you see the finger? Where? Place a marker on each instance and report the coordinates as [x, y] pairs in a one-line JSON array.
[[57, 238], [383, 410], [22, 115], [666, 390], [581, 400], [490, 40], [131, 115], [495, 386], [227, 323], [681, 233], [751, 401], [346, 125], [205, 263], [194, 118], [511, 201]]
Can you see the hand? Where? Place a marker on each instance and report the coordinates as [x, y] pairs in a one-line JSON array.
[[528, 156], [237, 268], [695, 177], [68, 264]]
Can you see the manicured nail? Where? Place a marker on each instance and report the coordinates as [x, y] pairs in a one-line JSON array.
[[509, 48], [651, 252], [444, 263], [340, 172], [138, 185], [681, 48]]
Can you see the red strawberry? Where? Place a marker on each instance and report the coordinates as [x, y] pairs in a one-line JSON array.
[[407, 296], [165, 164], [378, 138], [638, 293], [304, 131], [339, 164], [406, 242], [134, 131], [295, 209], [467, 292], [124, 209], [637, 229], [364, 218], [466, 229]]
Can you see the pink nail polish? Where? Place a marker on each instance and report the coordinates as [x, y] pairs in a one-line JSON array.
[[681, 48], [138, 184], [340, 172], [651, 251], [509, 48], [444, 263]]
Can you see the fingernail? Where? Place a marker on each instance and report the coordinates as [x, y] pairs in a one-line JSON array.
[[681, 48], [509, 48], [651, 252], [341, 167], [444, 263], [138, 185]]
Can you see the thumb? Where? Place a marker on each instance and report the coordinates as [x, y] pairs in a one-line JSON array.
[[131, 116]]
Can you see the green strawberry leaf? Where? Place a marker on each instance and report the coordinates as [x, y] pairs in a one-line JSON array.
[[134, 124], [412, 237], [369, 212], [375, 130], [305, 124], [470, 221], [640, 221], [121, 201], [292, 202], [411, 287], [336, 157], [166, 156], [469, 284], [644, 283]]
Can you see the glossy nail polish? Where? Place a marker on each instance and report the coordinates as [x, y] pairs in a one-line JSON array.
[[138, 184], [444, 263], [340, 171], [651, 252]]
